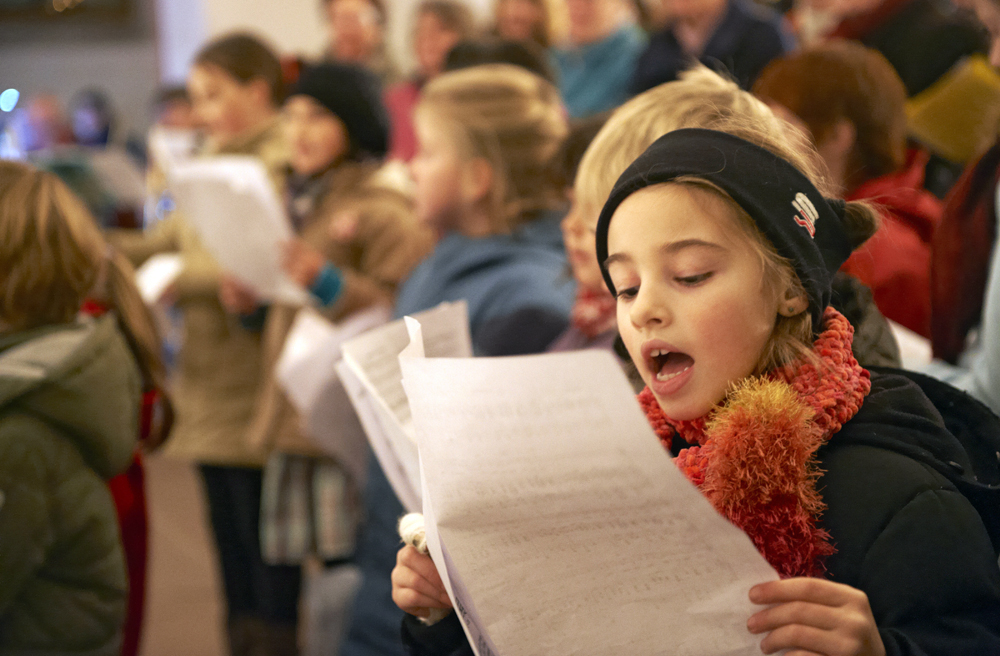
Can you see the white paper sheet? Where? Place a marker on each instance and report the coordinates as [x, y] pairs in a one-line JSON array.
[[373, 380], [570, 527], [914, 350], [306, 371], [169, 147], [156, 275], [234, 207]]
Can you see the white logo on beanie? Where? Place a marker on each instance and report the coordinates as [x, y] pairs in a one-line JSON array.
[[806, 214]]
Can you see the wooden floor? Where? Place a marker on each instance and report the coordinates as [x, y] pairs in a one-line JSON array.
[[184, 603]]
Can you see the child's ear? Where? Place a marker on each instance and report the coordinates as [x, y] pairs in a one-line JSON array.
[[791, 305], [477, 179]]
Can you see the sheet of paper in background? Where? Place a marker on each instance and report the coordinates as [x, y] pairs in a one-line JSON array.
[[233, 206], [571, 528], [914, 350], [373, 380], [170, 146], [157, 274], [306, 371]]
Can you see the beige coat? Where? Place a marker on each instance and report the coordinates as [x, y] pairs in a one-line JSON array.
[[219, 372], [380, 253]]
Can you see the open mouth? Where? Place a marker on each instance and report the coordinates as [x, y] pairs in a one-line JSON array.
[[669, 364]]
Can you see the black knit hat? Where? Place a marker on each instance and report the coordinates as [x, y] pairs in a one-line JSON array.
[[354, 95], [804, 227]]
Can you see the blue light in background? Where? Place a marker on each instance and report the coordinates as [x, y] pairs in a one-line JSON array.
[[8, 99]]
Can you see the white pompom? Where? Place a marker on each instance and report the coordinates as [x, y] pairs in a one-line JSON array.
[[412, 530], [414, 533]]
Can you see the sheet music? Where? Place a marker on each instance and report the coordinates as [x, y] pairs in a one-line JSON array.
[[372, 377], [306, 371], [570, 527], [157, 274], [233, 205]]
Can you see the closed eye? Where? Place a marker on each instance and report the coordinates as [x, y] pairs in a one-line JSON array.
[[691, 281], [627, 294]]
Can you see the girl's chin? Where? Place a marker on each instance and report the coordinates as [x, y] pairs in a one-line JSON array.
[[686, 409]]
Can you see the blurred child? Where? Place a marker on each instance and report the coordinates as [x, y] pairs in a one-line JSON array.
[[852, 104], [720, 246], [69, 417], [592, 320], [540, 22], [236, 90], [172, 109], [438, 25], [596, 63], [487, 135], [356, 30], [357, 241], [741, 36]]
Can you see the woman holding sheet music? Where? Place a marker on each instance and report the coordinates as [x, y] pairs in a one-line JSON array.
[[236, 89]]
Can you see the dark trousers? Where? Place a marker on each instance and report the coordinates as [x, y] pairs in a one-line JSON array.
[[254, 590]]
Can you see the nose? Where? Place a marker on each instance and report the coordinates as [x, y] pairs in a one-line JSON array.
[[650, 307]]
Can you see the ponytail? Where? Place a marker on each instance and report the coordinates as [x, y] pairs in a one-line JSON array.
[[137, 324]]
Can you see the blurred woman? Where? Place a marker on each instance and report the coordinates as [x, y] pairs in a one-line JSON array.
[[438, 25], [236, 89]]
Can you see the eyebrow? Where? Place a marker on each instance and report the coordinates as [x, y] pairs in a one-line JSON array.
[[668, 249]]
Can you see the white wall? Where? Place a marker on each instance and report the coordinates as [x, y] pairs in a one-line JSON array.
[[65, 58]]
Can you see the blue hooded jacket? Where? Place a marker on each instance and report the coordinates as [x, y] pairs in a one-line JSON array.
[[517, 286]]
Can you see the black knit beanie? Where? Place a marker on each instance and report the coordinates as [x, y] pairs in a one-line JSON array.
[[354, 95]]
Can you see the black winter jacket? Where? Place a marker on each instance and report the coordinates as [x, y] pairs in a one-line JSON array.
[[912, 488]]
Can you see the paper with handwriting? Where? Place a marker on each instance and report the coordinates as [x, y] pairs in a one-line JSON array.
[[371, 375], [306, 371], [570, 528]]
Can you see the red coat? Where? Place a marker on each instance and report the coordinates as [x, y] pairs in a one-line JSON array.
[[896, 262]]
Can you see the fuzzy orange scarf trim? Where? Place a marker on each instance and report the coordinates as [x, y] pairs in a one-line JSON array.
[[754, 456]]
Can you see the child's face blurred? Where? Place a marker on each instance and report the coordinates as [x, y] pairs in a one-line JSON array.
[[691, 9], [431, 43], [355, 31], [223, 105], [579, 238], [591, 20], [317, 137], [516, 19], [438, 174], [693, 309]]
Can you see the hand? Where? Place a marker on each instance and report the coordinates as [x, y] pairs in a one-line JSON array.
[[815, 617], [236, 296], [416, 586], [302, 262], [344, 226]]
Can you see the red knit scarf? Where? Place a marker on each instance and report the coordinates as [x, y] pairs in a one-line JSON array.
[[753, 456], [594, 312]]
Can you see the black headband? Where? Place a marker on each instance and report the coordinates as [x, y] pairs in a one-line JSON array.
[[804, 227]]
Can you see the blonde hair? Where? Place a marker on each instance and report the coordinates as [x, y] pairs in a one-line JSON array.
[[703, 99], [514, 121], [53, 258]]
